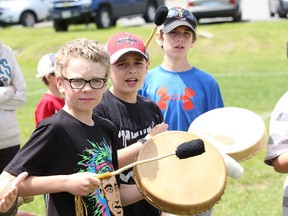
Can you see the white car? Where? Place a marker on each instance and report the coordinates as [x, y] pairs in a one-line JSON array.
[[215, 8], [24, 12]]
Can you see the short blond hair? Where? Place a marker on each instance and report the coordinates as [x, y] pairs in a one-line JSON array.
[[82, 48]]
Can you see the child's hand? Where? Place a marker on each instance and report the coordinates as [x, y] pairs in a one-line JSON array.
[[9, 191], [159, 128], [81, 184]]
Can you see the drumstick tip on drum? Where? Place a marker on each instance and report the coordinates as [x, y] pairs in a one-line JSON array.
[[190, 149]]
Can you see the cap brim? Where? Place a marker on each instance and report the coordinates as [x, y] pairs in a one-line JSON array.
[[42, 72], [39, 76], [169, 27], [115, 57]]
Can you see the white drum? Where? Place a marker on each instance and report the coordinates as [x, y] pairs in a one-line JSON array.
[[238, 132]]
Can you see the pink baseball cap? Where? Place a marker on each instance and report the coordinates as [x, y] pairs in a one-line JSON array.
[[125, 42]]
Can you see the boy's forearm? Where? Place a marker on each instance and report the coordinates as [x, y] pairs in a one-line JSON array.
[[37, 185], [129, 194], [280, 163], [79, 184], [128, 155]]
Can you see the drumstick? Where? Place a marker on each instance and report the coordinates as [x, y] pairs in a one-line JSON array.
[[184, 150], [220, 138], [159, 19]]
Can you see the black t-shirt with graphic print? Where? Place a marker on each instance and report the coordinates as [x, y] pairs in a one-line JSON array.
[[62, 145]]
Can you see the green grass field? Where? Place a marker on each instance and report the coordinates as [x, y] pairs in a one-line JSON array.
[[248, 60]]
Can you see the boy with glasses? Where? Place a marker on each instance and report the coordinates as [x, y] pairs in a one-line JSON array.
[[68, 149], [181, 90]]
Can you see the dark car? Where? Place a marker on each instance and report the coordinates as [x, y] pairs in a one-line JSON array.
[[104, 13], [279, 7], [215, 8]]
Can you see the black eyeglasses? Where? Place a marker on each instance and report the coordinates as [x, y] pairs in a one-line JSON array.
[[177, 13], [97, 83]]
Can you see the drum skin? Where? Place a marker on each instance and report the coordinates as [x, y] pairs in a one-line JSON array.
[[180, 186], [238, 132]]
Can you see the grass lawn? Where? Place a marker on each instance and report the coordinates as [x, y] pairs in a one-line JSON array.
[[248, 60]]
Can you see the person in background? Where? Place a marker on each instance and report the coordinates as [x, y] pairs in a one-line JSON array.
[[52, 101], [136, 118], [181, 90], [12, 97], [277, 146]]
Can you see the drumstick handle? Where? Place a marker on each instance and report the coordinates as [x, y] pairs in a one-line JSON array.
[[117, 172], [151, 36]]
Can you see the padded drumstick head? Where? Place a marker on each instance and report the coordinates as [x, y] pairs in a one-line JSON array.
[[190, 149], [160, 15]]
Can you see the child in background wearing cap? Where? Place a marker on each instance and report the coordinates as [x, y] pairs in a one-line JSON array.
[[67, 149], [52, 101], [181, 90], [137, 118]]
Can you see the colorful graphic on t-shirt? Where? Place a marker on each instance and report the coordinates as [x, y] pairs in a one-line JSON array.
[[98, 159]]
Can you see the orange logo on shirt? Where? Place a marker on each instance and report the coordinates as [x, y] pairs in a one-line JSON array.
[[187, 103]]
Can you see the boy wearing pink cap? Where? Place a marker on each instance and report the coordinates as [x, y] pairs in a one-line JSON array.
[[136, 118]]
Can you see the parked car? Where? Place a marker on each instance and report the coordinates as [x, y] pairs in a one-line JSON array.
[[215, 8], [24, 12], [279, 7], [104, 13]]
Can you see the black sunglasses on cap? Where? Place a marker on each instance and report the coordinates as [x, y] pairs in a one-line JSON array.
[[178, 13]]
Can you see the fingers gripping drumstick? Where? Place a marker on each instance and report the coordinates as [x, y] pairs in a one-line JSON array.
[[159, 19], [185, 150]]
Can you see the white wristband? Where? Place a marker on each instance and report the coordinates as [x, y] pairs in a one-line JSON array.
[[148, 136]]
